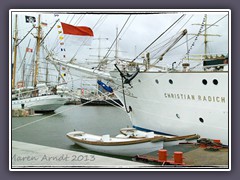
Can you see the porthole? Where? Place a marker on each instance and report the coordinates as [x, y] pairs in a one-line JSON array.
[[156, 81], [204, 81], [139, 80], [201, 120], [170, 81], [215, 81]]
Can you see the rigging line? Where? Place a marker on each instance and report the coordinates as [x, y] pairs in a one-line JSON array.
[[201, 31], [156, 46], [20, 56], [110, 99], [128, 26], [82, 16], [76, 22], [72, 18], [103, 19], [107, 54], [178, 31], [85, 39], [187, 47], [98, 21], [166, 45], [56, 41], [33, 122], [67, 17], [159, 37], [24, 57], [25, 36], [48, 32]]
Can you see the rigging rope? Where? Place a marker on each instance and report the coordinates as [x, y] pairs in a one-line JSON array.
[[33, 122], [158, 37], [107, 54], [201, 31]]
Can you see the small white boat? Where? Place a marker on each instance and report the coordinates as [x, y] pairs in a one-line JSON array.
[[119, 145], [130, 142], [167, 140]]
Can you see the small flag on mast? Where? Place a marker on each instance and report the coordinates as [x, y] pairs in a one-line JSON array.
[[29, 50], [43, 24]]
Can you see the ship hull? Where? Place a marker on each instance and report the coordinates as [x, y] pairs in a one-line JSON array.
[[48, 103], [179, 103]]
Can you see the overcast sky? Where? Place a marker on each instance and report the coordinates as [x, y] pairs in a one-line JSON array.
[[139, 31]]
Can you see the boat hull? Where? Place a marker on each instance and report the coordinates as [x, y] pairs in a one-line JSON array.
[[179, 103], [48, 103], [123, 147]]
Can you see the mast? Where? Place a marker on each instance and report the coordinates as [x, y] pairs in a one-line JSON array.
[[15, 54], [47, 72], [37, 52], [24, 64], [205, 37], [205, 34]]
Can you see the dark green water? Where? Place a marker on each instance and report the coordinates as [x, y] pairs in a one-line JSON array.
[[50, 130]]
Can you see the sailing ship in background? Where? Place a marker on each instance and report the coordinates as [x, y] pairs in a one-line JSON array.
[[175, 100], [29, 92]]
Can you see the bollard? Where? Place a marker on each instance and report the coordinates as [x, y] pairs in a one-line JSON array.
[[162, 155], [178, 157]]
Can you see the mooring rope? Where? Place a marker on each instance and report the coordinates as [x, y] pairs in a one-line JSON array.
[[19, 127]]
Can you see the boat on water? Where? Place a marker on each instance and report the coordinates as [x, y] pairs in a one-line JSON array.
[[45, 102], [174, 101], [130, 142], [123, 145]]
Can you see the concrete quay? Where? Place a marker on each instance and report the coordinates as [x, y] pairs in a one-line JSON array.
[[22, 112], [26, 155]]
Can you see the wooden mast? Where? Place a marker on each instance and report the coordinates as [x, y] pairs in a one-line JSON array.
[[205, 34], [37, 53], [15, 54]]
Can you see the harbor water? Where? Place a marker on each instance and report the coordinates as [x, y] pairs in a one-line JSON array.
[[51, 129]]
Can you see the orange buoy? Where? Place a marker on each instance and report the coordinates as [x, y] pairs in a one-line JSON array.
[[162, 155], [178, 157]]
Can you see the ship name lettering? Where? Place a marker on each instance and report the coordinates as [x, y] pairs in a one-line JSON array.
[[192, 97]]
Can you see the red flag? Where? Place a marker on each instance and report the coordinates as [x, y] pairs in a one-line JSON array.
[[29, 50], [76, 30], [43, 24]]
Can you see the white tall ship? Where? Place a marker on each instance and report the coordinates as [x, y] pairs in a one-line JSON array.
[[39, 98], [46, 101], [173, 101]]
